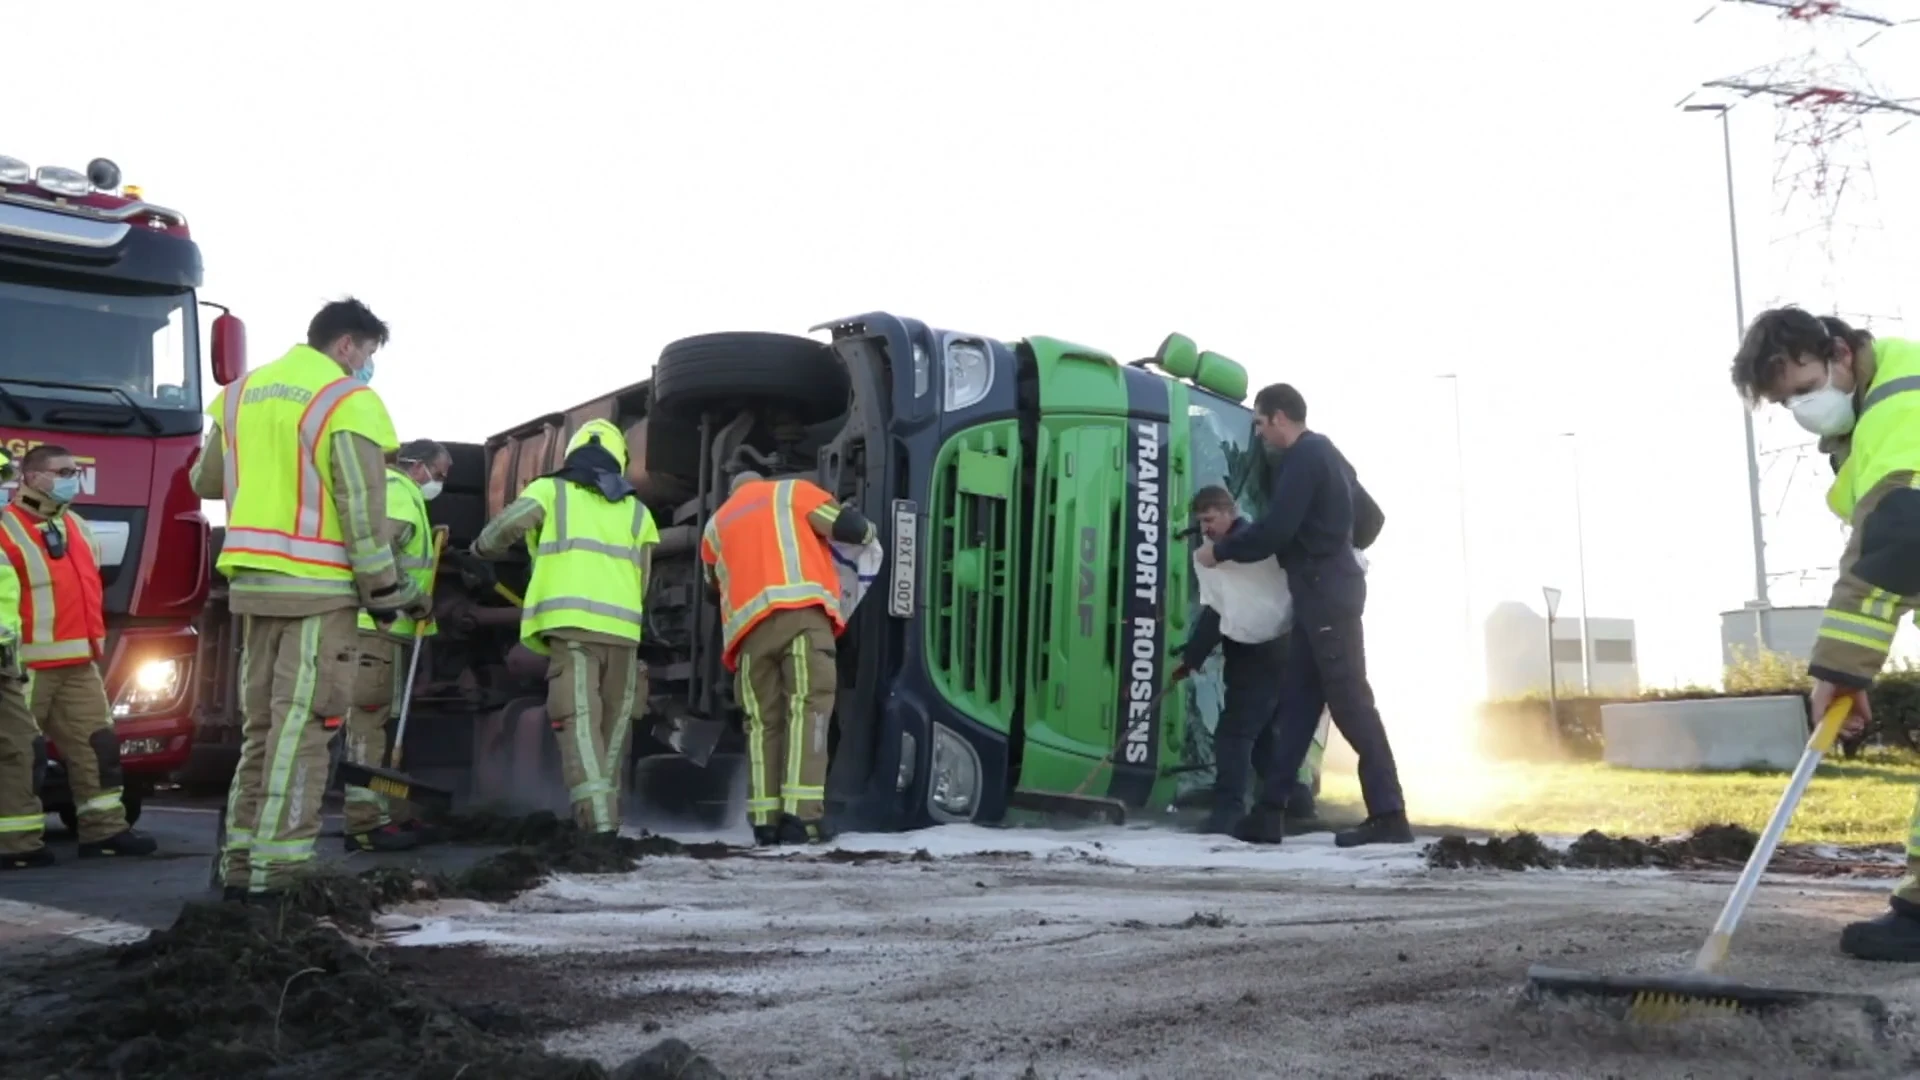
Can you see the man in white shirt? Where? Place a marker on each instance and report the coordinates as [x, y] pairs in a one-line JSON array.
[[1247, 610]]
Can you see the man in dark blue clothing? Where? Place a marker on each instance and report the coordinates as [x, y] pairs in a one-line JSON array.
[[1312, 525], [1245, 611]]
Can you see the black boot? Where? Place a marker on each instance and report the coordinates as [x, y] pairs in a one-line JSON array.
[[127, 842], [793, 830], [27, 860], [766, 835], [1267, 824], [388, 837], [1377, 829], [1302, 815], [1893, 937], [1221, 819]]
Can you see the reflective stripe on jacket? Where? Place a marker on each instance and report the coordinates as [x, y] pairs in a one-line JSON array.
[[768, 557], [589, 563], [277, 423], [407, 506], [62, 608]]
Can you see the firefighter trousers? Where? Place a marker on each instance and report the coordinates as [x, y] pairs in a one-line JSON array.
[[23, 761], [294, 672], [379, 681], [593, 690], [70, 705], [786, 685]]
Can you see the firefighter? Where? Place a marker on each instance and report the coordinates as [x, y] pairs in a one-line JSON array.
[[592, 542], [63, 639], [23, 752], [1316, 519], [297, 450], [767, 554], [1858, 394], [372, 822]]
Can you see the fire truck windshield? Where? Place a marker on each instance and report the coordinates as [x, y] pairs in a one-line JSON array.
[[98, 345]]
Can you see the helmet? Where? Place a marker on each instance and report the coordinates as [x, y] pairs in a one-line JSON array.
[[606, 434]]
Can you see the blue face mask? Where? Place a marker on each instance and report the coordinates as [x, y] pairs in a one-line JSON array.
[[365, 374], [65, 488]]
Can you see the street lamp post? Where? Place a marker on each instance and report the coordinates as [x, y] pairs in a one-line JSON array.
[[1580, 541], [1552, 596], [1460, 465], [1761, 602]]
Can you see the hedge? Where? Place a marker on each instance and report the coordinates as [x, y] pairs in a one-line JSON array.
[[1527, 729]]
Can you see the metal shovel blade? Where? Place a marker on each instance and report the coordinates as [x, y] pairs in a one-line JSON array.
[[692, 737]]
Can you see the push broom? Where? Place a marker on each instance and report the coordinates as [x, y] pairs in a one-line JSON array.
[[1703, 992], [390, 781]]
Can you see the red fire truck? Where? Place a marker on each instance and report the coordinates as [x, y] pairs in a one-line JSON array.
[[100, 345]]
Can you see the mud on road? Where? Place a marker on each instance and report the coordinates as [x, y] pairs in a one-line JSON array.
[[301, 988], [996, 953], [1076, 962]]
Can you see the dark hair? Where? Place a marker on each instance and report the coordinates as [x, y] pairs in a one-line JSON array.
[[421, 452], [1213, 497], [350, 317], [1780, 336], [38, 457], [1283, 399]]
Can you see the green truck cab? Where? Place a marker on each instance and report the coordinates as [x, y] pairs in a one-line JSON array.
[[1032, 499]]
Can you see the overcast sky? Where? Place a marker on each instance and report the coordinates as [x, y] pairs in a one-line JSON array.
[[1355, 198]]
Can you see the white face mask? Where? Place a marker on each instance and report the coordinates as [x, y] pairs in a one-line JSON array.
[[1826, 411], [430, 489]]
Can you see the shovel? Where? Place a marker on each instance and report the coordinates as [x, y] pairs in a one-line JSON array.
[[390, 780]]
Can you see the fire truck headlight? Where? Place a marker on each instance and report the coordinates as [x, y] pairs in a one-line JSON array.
[[156, 686], [953, 793], [62, 181], [969, 371], [14, 171]]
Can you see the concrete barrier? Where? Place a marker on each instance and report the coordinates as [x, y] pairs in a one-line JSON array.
[[1713, 734]]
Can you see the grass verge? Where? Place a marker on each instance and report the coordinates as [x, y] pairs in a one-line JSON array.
[[1865, 800]]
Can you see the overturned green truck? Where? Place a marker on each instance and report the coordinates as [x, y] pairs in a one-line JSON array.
[[1031, 497]]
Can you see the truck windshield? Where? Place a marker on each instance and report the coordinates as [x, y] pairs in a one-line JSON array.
[[93, 344], [1226, 452]]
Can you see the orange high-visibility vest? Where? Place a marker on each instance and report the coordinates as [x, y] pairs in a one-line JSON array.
[[768, 558], [63, 613]]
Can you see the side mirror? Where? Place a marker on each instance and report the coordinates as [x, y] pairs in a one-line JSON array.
[[1178, 356], [229, 349]]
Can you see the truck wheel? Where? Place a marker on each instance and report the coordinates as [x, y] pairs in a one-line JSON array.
[[724, 372]]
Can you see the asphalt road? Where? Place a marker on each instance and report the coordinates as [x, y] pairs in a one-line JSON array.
[[107, 901]]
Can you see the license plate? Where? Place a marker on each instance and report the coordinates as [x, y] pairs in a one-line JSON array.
[[906, 559]]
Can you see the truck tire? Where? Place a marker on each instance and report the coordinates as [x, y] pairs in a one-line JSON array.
[[724, 372]]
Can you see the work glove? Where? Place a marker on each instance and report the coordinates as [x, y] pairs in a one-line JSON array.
[[418, 604], [476, 574], [10, 661]]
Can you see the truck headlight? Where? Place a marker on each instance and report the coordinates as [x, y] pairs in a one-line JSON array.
[[954, 791], [969, 371], [909, 760], [156, 686]]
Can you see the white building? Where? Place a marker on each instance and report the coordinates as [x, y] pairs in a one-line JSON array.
[[1516, 642], [1788, 630]]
